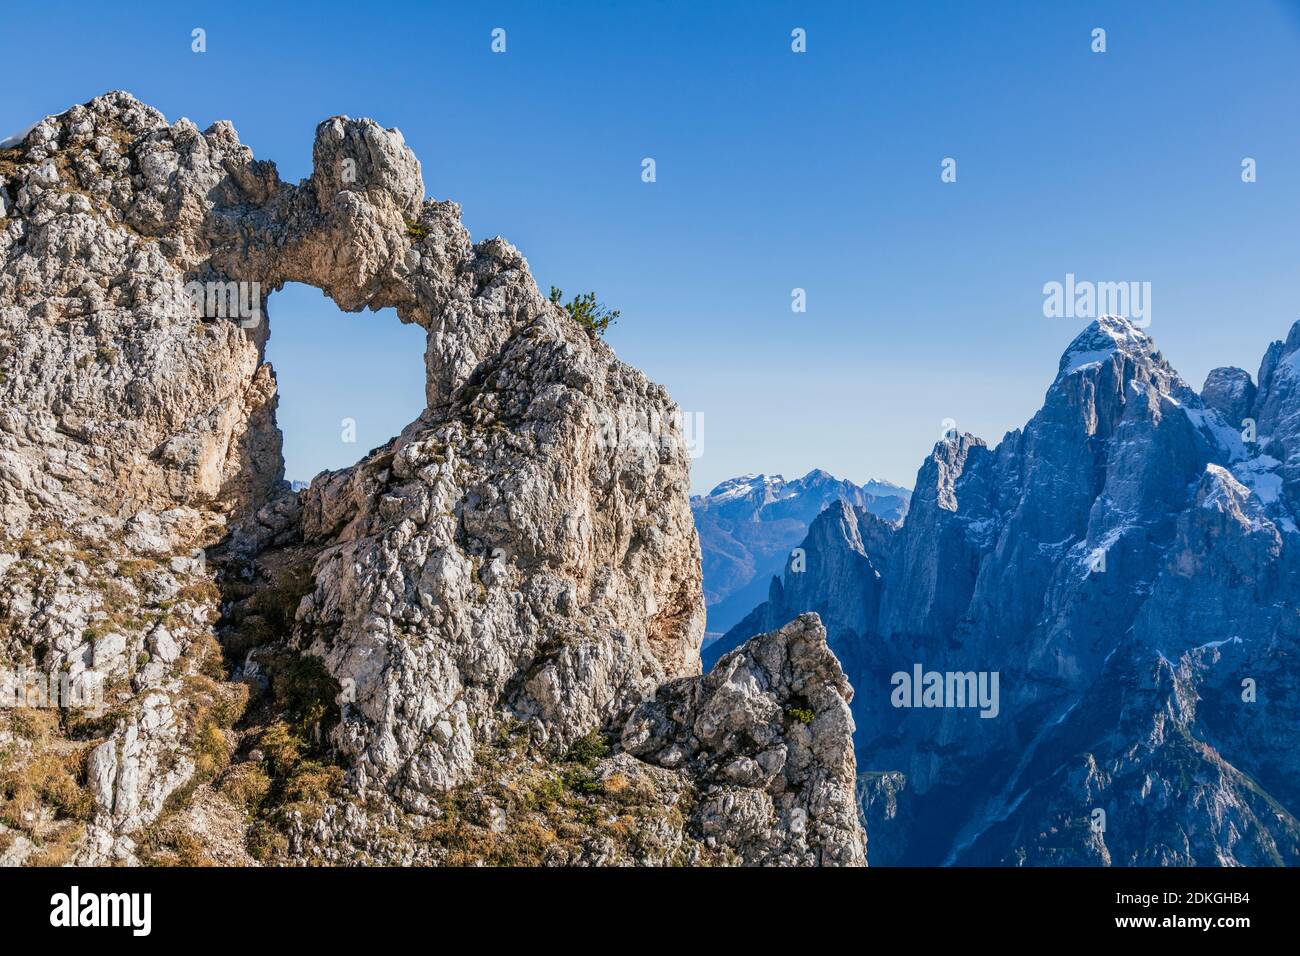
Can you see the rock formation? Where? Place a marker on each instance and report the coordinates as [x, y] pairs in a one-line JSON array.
[[430, 657], [771, 724], [1126, 564], [836, 574]]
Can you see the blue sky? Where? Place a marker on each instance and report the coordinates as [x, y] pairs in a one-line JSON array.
[[775, 170]]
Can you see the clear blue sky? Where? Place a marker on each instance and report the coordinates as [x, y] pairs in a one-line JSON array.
[[775, 171]]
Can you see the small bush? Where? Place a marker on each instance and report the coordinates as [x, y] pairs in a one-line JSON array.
[[172, 845], [211, 755], [246, 785], [801, 714], [587, 311], [589, 748], [313, 783], [581, 780], [415, 231], [252, 631], [54, 780], [283, 748], [232, 701], [265, 842]]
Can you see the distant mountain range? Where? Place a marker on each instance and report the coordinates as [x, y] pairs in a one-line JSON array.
[[748, 525], [1122, 577]]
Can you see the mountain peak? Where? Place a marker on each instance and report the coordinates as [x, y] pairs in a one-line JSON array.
[[1230, 391], [818, 474], [743, 485], [1102, 339], [1292, 343]]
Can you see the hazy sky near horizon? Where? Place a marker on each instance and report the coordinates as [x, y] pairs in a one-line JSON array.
[[775, 171]]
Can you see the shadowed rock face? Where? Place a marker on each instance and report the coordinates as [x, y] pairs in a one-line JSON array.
[[1127, 564], [835, 577], [749, 525], [1231, 393], [521, 556]]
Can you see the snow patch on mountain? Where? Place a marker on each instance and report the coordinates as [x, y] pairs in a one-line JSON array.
[[1100, 341]]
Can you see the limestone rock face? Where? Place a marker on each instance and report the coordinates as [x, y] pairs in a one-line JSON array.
[[503, 551], [770, 726], [518, 568], [116, 399]]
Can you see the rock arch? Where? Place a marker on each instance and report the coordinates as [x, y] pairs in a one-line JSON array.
[[523, 552]]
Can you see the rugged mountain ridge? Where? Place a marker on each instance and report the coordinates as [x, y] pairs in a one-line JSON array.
[[835, 574], [748, 525], [1126, 564], [438, 655]]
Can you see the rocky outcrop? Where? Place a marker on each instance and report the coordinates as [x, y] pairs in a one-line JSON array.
[[769, 727], [1231, 393], [483, 601], [836, 573]]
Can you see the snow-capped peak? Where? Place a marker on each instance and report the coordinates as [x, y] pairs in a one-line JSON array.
[[1102, 339], [744, 486], [770, 488]]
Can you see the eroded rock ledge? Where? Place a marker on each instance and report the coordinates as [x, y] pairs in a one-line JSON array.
[[431, 656]]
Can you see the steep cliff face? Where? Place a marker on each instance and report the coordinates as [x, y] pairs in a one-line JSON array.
[[1126, 565], [427, 657], [837, 574], [748, 526]]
